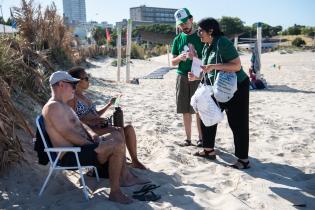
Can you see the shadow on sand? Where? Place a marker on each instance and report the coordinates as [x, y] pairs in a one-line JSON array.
[[284, 89], [298, 187]]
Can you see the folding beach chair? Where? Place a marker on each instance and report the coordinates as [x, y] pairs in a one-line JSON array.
[[54, 155]]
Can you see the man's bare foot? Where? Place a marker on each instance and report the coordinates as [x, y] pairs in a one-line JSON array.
[[131, 179], [137, 164], [119, 197]]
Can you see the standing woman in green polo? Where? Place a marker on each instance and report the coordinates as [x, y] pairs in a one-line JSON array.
[[185, 46], [237, 108]]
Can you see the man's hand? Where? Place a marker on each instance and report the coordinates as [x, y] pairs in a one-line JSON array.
[[183, 56], [192, 77]]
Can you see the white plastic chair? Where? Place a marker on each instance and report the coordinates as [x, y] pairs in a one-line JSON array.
[[54, 155]]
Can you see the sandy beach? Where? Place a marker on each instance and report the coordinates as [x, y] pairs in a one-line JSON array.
[[282, 146]]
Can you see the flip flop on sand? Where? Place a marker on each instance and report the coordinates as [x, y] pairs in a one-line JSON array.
[[146, 188], [147, 196]]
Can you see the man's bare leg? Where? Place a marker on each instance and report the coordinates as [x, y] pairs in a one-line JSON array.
[[131, 143], [187, 124], [113, 150], [129, 179]]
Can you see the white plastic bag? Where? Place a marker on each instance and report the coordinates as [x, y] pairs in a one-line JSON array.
[[225, 86], [208, 110]]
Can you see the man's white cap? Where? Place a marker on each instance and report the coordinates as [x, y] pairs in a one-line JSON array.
[[182, 15], [62, 76]]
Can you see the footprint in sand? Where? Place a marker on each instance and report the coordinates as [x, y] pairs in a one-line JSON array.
[[244, 196], [280, 154]]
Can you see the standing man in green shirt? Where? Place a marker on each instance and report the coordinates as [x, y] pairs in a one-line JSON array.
[[186, 45]]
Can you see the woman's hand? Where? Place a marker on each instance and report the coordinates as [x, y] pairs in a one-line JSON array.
[[192, 77], [207, 68], [112, 100]]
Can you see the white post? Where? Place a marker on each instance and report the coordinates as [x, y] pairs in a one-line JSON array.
[[118, 53], [128, 50], [168, 55], [235, 42], [259, 38]]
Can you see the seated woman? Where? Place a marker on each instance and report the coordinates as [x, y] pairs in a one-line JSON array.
[[88, 114]]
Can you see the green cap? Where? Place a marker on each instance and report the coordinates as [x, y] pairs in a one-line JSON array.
[[182, 15]]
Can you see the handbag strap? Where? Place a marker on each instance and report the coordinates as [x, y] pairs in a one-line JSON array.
[[216, 58]]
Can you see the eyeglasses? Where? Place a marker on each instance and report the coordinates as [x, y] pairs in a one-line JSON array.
[[85, 78], [73, 85]]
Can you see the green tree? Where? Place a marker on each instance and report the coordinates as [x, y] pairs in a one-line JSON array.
[[99, 35], [2, 21], [9, 22], [308, 31], [295, 30], [231, 25]]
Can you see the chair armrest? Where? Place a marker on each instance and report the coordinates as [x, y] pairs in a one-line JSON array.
[[63, 149]]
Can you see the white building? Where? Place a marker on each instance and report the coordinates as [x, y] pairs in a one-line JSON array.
[[7, 29], [74, 11]]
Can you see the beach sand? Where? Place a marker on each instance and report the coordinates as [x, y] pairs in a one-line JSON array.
[[282, 146]]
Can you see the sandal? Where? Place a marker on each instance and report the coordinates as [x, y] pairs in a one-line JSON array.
[[147, 196], [146, 188], [244, 165], [206, 154], [187, 143], [199, 143]]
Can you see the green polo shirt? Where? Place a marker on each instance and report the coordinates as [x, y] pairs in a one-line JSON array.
[[179, 43], [226, 52]]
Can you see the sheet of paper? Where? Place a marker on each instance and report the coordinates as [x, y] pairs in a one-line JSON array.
[[195, 68]]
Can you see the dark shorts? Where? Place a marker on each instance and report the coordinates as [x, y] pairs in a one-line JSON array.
[[87, 157], [184, 91]]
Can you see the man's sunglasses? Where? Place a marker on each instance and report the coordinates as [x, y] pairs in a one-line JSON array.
[[85, 78], [73, 85]]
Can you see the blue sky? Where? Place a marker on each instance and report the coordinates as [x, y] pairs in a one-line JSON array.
[[273, 12]]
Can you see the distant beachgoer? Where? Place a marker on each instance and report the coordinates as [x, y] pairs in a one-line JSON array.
[[254, 82], [87, 113], [237, 108], [186, 45]]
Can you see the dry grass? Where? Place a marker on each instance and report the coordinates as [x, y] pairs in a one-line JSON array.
[[10, 148]]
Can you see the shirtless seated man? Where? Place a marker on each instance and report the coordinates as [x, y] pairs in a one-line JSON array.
[[65, 129]]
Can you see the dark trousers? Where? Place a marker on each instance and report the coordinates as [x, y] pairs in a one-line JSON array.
[[237, 111]]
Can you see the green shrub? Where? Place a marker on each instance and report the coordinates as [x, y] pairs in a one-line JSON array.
[[123, 62], [137, 52], [298, 42]]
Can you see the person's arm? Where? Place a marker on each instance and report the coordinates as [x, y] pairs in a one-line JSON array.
[[64, 124], [178, 58], [104, 109], [231, 66], [93, 135]]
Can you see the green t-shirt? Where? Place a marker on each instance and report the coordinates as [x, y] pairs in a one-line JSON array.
[[179, 43], [226, 52]]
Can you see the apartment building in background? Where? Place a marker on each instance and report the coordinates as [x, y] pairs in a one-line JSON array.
[[156, 15], [74, 12]]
